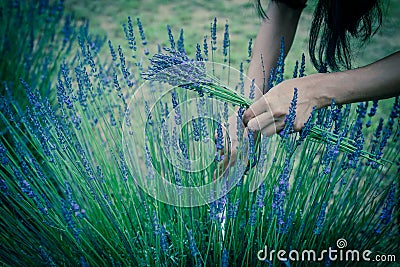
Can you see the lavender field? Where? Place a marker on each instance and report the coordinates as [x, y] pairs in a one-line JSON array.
[[115, 121]]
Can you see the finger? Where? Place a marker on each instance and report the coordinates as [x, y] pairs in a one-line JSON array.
[[260, 121], [259, 107], [247, 116], [273, 128], [267, 124]]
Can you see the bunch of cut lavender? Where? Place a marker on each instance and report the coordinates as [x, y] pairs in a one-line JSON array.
[[177, 69]]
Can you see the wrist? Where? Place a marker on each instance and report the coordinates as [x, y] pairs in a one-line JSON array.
[[321, 89]]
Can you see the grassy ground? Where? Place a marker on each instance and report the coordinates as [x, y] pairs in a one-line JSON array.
[[106, 17], [195, 17]]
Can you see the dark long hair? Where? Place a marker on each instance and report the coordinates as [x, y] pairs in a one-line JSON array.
[[334, 23]]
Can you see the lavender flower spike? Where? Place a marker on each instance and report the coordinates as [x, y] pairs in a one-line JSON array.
[[175, 69]]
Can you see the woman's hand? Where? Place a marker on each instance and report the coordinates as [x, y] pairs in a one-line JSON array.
[[268, 113]]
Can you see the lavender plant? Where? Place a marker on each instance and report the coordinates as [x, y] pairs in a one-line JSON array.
[[82, 181], [34, 39]]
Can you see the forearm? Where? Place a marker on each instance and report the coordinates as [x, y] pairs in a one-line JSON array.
[[378, 80], [282, 22]]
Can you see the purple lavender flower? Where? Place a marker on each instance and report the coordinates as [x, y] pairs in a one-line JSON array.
[[27, 189], [388, 208], [307, 126], [3, 155], [175, 106], [82, 91], [180, 44], [376, 141], [201, 122], [165, 136], [302, 66], [67, 30], [241, 78], [260, 195], [225, 258], [372, 112], [199, 57], [205, 48], [185, 161], [156, 225], [252, 89], [100, 174], [130, 36], [252, 150], [112, 52], [354, 157], [196, 130], [62, 97], [163, 239], [219, 142], [148, 113], [320, 221], [271, 78], [239, 123], [225, 114], [390, 203], [171, 38], [253, 215], [178, 182], [46, 257], [361, 112], [67, 212], [116, 83], [175, 144], [280, 65], [124, 68], [388, 130], [141, 31], [113, 122], [289, 120], [89, 59], [226, 42], [213, 210], [280, 191], [217, 209], [192, 244], [176, 69], [233, 208], [67, 79], [214, 34], [263, 155], [149, 164], [3, 187], [296, 69], [249, 49], [337, 117], [123, 167]]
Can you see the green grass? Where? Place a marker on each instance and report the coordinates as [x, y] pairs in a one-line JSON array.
[[194, 17], [107, 17]]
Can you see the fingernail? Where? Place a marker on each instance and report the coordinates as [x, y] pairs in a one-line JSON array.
[[247, 116], [251, 125]]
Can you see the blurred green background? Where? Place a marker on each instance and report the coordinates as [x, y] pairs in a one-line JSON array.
[[107, 17]]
